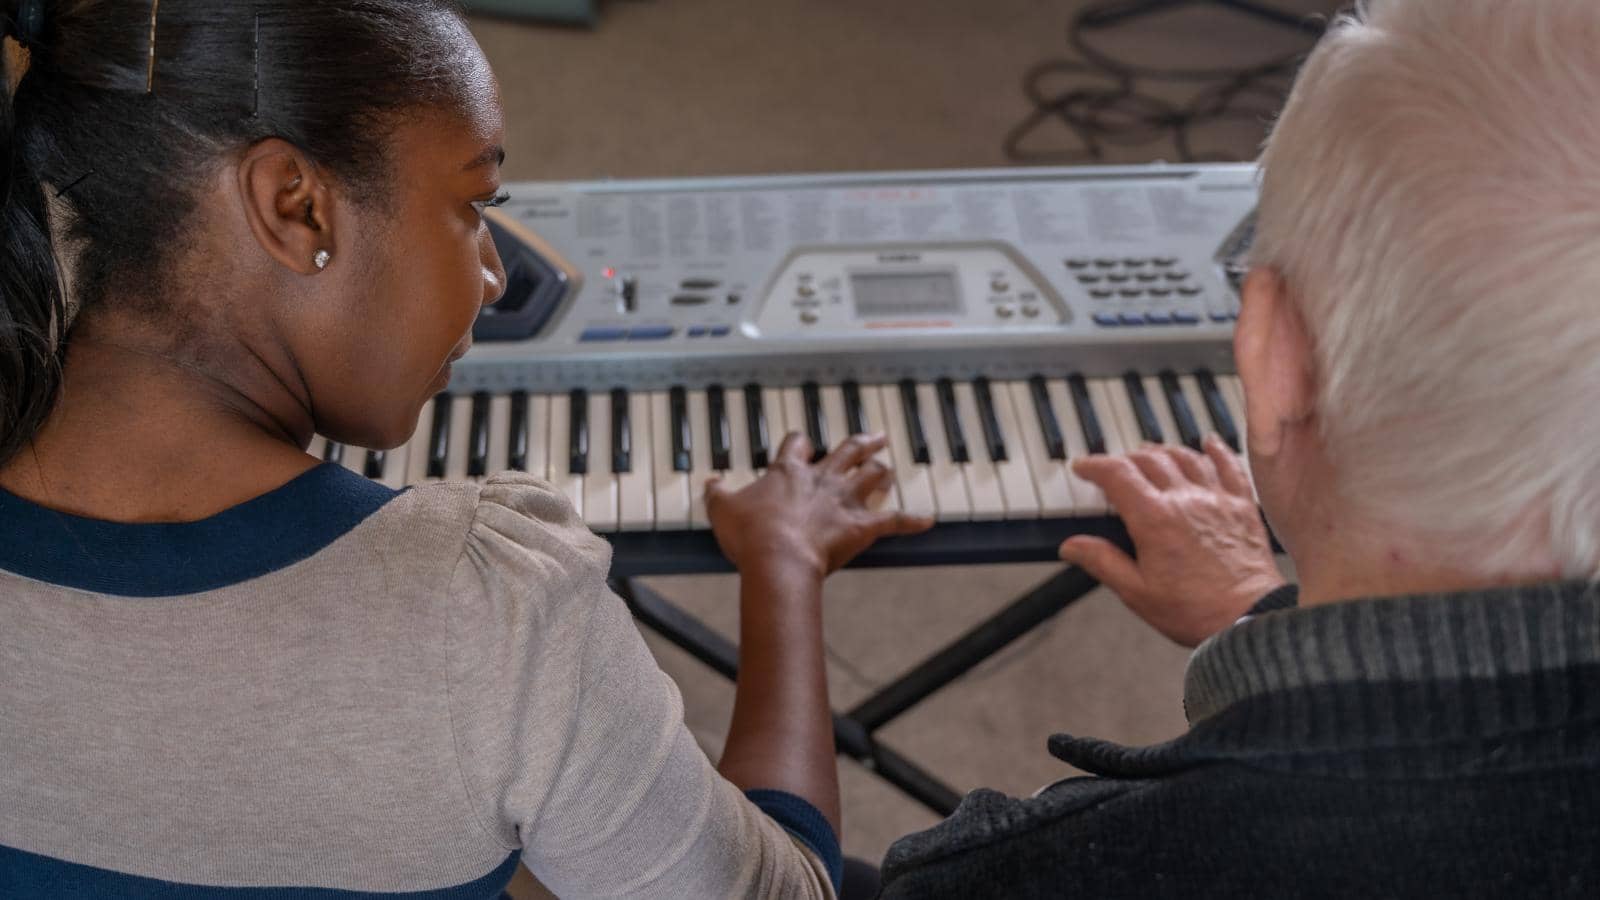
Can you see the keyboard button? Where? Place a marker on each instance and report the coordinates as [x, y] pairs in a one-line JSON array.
[[478, 437], [671, 481], [1094, 434], [1144, 414], [955, 437], [834, 423], [500, 434], [983, 477], [1107, 320], [603, 335], [681, 431], [599, 481], [1222, 419], [816, 423], [740, 472], [855, 416], [563, 413], [700, 470], [1048, 470], [912, 485], [636, 491], [720, 432], [578, 433], [439, 438], [518, 438], [1089, 499], [1014, 468], [949, 483], [621, 432], [1188, 430], [1132, 320], [759, 433], [916, 433], [989, 420], [1049, 426], [652, 333]]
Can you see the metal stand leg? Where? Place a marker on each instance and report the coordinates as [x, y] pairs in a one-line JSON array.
[[1117, 14], [854, 731]]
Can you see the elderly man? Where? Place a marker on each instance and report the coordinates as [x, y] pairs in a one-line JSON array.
[[1420, 348]]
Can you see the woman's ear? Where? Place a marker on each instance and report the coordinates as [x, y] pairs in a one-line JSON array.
[[1274, 354], [288, 204]]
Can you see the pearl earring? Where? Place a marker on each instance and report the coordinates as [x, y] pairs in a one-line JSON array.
[[322, 259]]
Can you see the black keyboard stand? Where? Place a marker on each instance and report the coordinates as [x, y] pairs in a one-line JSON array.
[[855, 730], [1113, 14]]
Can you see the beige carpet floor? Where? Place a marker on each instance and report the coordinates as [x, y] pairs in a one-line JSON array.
[[710, 87]]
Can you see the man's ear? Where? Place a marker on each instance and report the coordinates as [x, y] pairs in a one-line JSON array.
[[1273, 352], [288, 203]]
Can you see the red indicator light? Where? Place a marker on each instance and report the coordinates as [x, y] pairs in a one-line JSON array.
[[609, 273]]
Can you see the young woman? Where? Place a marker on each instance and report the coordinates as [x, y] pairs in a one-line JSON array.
[[226, 669]]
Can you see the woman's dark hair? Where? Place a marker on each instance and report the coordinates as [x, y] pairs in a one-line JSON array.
[[113, 147]]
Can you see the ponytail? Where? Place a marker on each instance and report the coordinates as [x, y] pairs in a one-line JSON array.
[[33, 312]]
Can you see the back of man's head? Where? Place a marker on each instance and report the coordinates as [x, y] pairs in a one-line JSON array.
[[1432, 197]]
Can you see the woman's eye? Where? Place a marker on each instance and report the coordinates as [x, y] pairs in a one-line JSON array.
[[500, 199]]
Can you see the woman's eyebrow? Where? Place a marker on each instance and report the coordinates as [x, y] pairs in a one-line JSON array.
[[495, 154]]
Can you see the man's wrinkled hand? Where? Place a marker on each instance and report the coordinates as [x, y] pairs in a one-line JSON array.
[[814, 517], [1204, 557]]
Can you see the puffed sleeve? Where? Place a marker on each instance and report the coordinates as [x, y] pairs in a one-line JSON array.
[[571, 739]]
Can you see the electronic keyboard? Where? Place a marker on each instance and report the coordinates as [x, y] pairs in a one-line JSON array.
[[995, 325]]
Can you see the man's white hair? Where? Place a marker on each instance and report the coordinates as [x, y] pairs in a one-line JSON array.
[[1431, 195]]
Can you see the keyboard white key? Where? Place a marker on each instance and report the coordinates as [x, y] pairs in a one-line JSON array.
[[394, 467], [1197, 406], [778, 426], [700, 471], [983, 479], [911, 478], [636, 497], [600, 484], [1110, 402], [833, 416], [1233, 392], [1157, 395], [318, 447], [499, 433], [460, 439], [539, 436], [949, 482], [794, 414], [562, 477], [1015, 473], [740, 472], [878, 423], [672, 503], [1049, 475], [1091, 501], [355, 460]]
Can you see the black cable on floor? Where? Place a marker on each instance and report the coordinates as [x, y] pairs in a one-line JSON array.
[[1105, 101]]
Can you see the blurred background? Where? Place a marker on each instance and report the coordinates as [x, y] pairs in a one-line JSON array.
[[672, 88]]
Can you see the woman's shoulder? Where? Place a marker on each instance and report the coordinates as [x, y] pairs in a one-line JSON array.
[[512, 529]]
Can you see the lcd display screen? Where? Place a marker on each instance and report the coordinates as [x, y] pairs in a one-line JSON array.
[[884, 294]]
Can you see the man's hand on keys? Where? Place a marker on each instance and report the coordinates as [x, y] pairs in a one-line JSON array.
[[1204, 554]]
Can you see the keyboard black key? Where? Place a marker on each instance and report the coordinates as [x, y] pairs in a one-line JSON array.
[[478, 443], [682, 434], [1182, 415], [517, 441], [721, 431], [951, 414], [755, 417], [439, 437], [854, 414], [333, 453], [1143, 412], [1054, 443], [578, 434], [816, 423], [915, 434], [1094, 435], [377, 460], [1227, 429], [621, 432], [993, 438]]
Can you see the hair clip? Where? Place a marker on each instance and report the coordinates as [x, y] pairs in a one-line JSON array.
[[150, 73]]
